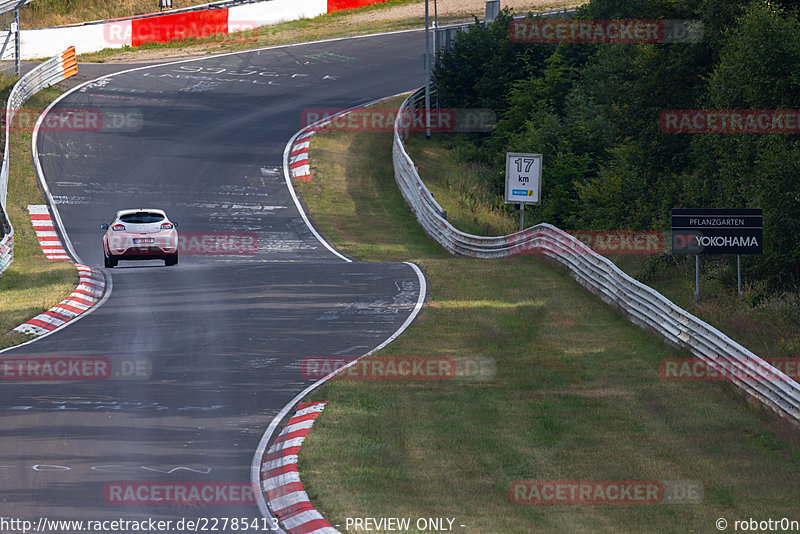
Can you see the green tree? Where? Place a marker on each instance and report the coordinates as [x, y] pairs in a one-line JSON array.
[[481, 66], [593, 112], [759, 68]]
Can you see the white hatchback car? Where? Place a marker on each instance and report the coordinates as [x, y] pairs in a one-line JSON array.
[[143, 234]]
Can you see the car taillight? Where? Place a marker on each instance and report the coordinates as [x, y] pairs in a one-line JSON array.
[[166, 226], [118, 227]]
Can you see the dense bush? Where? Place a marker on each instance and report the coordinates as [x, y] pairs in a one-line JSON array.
[[593, 111]]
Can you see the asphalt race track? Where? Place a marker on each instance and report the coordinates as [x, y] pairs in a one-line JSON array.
[[206, 353]]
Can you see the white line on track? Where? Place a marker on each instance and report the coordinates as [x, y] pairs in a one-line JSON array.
[[308, 131]]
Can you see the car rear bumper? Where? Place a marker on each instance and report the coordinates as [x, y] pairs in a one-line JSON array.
[[148, 254]]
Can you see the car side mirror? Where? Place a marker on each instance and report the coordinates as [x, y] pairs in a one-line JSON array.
[[104, 226]]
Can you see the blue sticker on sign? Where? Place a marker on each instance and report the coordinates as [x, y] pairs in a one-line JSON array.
[[520, 192]]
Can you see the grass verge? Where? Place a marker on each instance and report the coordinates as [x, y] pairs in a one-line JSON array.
[[576, 396], [32, 284]]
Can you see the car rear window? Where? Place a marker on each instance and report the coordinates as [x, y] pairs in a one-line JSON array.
[[142, 217]]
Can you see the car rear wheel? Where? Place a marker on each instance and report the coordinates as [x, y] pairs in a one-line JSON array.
[[109, 262], [171, 261]]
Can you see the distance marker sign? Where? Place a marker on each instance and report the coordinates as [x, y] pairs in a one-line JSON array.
[[523, 178]]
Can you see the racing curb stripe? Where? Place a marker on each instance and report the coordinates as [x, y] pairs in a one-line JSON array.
[[286, 489], [77, 303], [299, 148], [279, 462], [289, 451], [46, 234], [280, 478], [298, 159], [299, 168], [88, 292]]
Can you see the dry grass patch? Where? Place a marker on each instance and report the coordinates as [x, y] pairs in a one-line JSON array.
[[42, 13]]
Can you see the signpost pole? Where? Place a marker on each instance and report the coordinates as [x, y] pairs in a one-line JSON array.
[[427, 74], [521, 216], [739, 275], [17, 47], [697, 278], [435, 28]]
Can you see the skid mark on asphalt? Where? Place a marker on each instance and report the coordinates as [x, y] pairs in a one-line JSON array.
[[73, 405], [111, 468]]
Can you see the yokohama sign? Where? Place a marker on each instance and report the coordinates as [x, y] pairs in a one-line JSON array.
[[717, 231]]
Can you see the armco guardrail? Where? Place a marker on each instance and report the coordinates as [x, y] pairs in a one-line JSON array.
[[643, 304], [44, 75]]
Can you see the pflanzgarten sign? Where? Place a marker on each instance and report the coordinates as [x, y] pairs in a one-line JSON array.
[[523, 178], [717, 231]]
